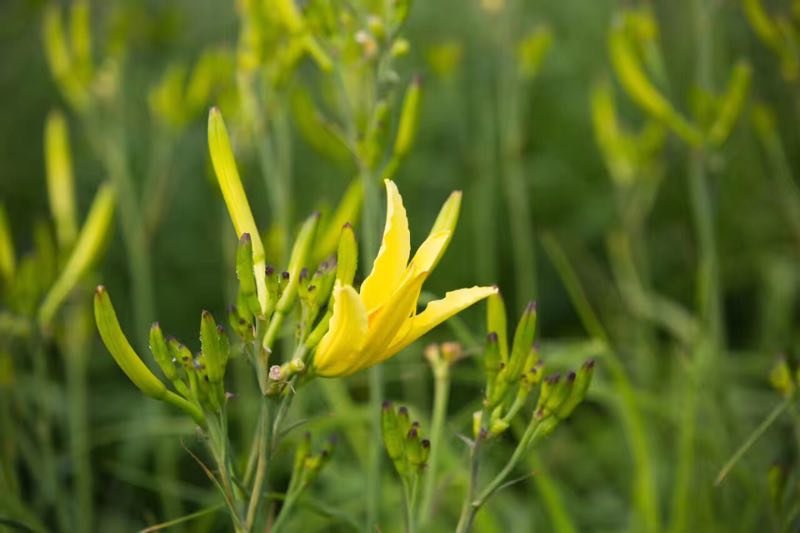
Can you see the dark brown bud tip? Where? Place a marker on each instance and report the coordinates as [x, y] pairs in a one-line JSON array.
[[413, 433], [531, 306], [270, 270], [571, 377], [312, 288], [553, 378], [426, 443], [387, 404], [220, 330], [303, 274], [285, 275], [205, 314], [403, 410], [492, 337], [589, 364], [415, 424], [245, 238], [347, 225]]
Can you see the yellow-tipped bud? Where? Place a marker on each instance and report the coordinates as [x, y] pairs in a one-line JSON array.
[[129, 361], [347, 256], [219, 146], [60, 182], [121, 350], [90, 241]]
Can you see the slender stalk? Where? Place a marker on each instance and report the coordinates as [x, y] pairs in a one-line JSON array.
[[440, 397], [264, 451], [75, 350], [467, 513]]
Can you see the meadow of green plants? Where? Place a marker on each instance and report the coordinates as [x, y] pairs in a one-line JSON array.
[[385, 265]]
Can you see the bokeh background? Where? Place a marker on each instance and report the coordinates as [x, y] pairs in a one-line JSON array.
[[643, 452]]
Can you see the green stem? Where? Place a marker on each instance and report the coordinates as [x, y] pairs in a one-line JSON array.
[[51, 488], [467, 513], [440, 397], [264, 452], [75, 350]]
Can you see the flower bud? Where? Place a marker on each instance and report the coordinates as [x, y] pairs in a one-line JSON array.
[[212, 351], [248, 292], [299, 255], [409, 117], [523, 340], [392, 435], [160, 351], [60, 182], [496, 322], [90, 242], [347, 256], [219, 146]]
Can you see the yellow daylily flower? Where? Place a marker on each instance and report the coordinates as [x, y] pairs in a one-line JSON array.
[[371, 325]]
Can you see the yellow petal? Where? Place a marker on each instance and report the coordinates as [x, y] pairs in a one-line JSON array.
[[391, 318], [390, 264], [437, 312], [347, 331], [430, 251], [219, 146]]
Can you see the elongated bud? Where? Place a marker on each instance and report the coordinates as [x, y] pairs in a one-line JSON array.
[[403, 420], [298, 257], [7, 258], [392, 434], [477, 419], [347, 256], [400, 10], [119, 347], [322, 282], [160, 351], [244, 271], [212, 350], [58, 53], [732, 103], [409, 117], [414, 447], [582, 380], [523, 341], [87, 248], [491, 360], [60, 182], [230, 184], [641, 90], [496, 322], [550, 387], [347, 211]]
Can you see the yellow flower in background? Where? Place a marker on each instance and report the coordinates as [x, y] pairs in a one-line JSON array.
[[371, 325]]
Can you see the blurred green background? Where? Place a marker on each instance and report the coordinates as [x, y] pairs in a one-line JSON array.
[[500, 139]]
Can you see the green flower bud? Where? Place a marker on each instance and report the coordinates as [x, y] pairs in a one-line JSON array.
[[299, 255], [129, 361], [413, 447], [212, 350], [248, 292], [578, 390], [60, 182], [160, 351], [392, 434], [409, 116], [523, 340], [782, 379], [87, 249], [496, 322]]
